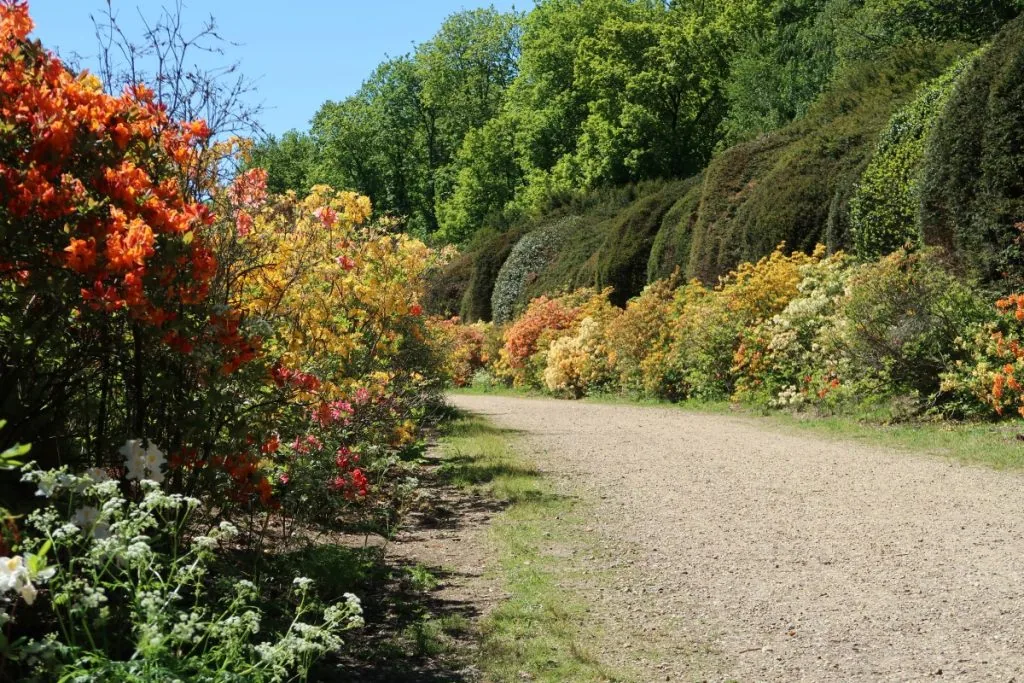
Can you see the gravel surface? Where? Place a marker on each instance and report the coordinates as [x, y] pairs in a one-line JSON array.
[[738, 551]]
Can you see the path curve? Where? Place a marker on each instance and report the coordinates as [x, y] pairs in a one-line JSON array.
[[745, 552]]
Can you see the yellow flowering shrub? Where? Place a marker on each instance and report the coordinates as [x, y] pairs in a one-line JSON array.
[[637, 333], [705, 325], [581, 363]]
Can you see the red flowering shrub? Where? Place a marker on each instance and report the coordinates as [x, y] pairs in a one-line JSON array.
[[104, 273]]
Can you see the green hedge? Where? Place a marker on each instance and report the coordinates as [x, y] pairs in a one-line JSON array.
[[671, 246], [530, 256], [884, 208], [488, 253], [624, 254], [794, 185], [447, 287], [972, 183]]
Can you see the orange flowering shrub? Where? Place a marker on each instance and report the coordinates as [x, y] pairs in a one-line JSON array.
[[272, 346], [522, 359], [104, 271], [993, 374], [463, 348], [527, 336]]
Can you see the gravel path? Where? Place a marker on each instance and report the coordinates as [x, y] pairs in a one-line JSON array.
[[743, 552]]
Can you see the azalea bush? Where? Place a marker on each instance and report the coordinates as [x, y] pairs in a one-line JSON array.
[[705, 325], [636, 334], [986, 380], [781, 361], [463, 348], [581, 363], [273, 346], [796, 331], [900, 320]]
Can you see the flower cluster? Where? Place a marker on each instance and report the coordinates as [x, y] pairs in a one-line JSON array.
[[121, 566]]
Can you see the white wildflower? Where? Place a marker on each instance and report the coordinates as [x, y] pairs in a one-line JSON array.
[[143, 463]]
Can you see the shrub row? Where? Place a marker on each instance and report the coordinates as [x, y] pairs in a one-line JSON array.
[[792, 330]]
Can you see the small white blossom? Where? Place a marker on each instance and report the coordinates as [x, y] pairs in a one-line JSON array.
[[143, 463]]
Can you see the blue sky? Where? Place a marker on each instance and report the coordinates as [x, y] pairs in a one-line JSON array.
[[301, 52]]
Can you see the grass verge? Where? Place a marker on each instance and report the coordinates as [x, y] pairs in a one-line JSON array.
[[992, 444], [539, 632]]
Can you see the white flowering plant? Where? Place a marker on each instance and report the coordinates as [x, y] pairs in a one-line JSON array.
[[127, 594]]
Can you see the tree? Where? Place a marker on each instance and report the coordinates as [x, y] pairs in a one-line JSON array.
[[288, 161]]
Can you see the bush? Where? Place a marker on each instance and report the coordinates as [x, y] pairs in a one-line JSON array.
[[488, 252], [972, 188], [623, 256], [780, 361], [705, 326], [794, 185], [900, 320], [523, 358], [462, 348], [884, 207], [986, 379], [531, 255], [580, 364], [275, 346], [446, 286], [637, 332]]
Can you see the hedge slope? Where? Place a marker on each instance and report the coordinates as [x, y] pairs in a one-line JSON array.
[[884, 208], [972, 184], [671, 246], [794, 185]]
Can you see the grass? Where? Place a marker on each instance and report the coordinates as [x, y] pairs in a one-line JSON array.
[[990, 444], [540, 632]]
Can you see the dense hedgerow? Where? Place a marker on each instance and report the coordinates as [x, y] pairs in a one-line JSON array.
[[488, 253], [596, 239], [794, 185], [972, 188], [884, 207]]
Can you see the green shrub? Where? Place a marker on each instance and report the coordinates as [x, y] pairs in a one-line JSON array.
[[671, 246], [447, 286], [794, 185], [530, 255], [488, 253], [625, 252], [900, 321], [972, 187], [883, 210]]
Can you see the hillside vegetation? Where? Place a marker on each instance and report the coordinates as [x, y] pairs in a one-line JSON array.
[[622, 140]]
